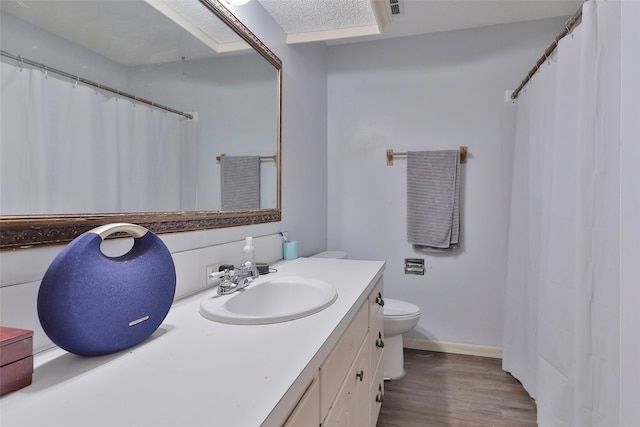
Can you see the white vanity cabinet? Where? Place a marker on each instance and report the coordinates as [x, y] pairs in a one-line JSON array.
[[350, 379], [358, 400]]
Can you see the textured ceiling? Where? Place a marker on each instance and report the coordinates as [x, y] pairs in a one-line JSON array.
[[303, 16], [321, 20], [298, 17]]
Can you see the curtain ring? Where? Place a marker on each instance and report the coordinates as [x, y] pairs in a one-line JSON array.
[[46, 73], [568, 29], [20, 63], [76, 82]]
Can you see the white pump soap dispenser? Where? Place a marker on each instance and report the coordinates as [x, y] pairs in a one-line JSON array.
[[249, 254]]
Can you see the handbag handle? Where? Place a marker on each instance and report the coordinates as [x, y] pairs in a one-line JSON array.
[[106, 230]]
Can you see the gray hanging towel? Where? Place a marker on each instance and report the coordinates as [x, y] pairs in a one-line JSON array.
[[240, 182], [433, 199]]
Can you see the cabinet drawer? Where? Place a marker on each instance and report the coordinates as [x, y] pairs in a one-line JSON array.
[[376, 301], [376, 341], [335, 368], [376, 325]]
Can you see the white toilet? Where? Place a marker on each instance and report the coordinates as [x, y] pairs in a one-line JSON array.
[[399, 317]]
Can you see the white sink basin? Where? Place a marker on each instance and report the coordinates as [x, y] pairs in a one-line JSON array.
[[270, 300]]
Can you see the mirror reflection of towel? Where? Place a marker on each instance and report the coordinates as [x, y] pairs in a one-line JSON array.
[[433, 199], [240, 182]]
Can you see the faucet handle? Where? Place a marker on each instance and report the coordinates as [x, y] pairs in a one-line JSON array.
[[248, 267], [226, 275]]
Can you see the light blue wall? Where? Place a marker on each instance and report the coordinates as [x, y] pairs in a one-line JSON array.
[[304, 130], [342, 107], [430, 92]]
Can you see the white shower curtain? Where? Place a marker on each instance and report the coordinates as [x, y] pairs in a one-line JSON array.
[[70, 149], [562, 321]]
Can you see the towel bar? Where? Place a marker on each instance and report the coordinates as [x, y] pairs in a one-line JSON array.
[[391, 154], [273, 157]]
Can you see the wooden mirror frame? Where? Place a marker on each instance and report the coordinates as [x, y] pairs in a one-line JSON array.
[[27, 231]]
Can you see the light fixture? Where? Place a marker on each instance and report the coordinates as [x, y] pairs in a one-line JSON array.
[[237, 2]]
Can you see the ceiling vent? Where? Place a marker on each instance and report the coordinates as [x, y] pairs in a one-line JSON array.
[[395, 7]]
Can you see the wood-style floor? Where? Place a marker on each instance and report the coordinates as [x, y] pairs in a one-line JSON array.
[[442, 390]]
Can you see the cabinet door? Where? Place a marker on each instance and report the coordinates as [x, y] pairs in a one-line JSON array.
[[351, 406], [336, 368], [343, 412], [361, 375], [307, 411]]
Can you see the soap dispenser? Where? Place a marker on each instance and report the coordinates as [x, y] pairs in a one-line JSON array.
[[249, 254]]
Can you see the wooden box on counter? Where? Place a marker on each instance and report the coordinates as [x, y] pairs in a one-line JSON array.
[[16, 359]]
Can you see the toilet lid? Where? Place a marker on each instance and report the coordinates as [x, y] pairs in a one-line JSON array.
[[395, 308]]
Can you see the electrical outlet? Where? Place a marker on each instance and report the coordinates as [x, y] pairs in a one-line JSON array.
[[213, 275]]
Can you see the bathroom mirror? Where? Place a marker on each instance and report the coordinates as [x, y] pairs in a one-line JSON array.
[[207, 89]]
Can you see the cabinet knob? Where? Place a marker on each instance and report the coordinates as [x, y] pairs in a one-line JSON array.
[[379, 300], [380, 395], [379, 341], [360, 375]]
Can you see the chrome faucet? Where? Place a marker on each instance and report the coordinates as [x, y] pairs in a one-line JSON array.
[[232, 281]]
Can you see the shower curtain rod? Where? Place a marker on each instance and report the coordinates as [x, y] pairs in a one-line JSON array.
[[568, 26], [47, 69]]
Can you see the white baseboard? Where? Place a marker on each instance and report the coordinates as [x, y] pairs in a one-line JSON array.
[[452, 347]]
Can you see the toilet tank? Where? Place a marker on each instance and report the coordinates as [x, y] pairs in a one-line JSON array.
[[330, 254]]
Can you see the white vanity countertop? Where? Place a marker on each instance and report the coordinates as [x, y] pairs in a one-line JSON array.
[[196, 372]]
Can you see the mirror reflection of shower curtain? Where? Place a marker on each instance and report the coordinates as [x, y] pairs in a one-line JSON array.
[[71, 149]]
